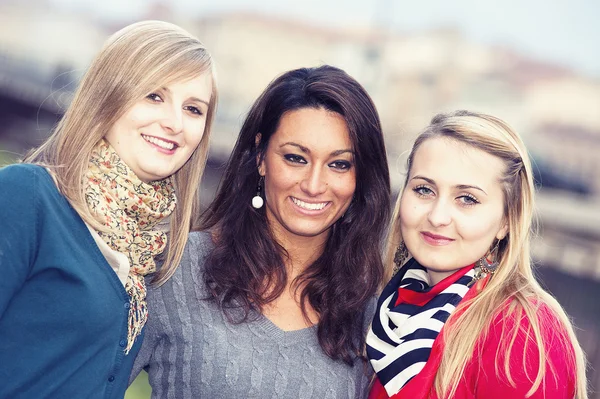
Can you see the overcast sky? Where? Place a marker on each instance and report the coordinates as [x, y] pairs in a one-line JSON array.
[[566, 32]]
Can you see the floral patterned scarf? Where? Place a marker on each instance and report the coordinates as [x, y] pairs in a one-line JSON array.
[[131, 208]]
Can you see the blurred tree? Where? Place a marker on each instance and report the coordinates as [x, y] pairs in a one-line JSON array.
[[6, 157], [139, 389]]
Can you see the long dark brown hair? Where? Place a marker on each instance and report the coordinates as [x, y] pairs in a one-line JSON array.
[[246, 268]]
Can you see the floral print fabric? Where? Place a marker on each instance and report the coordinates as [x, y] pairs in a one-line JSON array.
[[130, 209]]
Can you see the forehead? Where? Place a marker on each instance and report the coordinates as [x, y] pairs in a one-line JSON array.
[[199, 86], [450, 162], [313, 128]]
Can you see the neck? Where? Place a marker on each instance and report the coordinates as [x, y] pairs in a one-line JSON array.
[[437, 276], [302, 251]]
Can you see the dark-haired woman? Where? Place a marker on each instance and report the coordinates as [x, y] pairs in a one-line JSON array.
[[274, 293]]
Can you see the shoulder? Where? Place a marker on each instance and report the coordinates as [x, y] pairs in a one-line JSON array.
[[369, 313], [513, 319], [191, 267], [25, 180], [182, 291], [24, 217], [522, 328], [21, 174], [523, 344], [22, 187], [200, 242], [197, 249]]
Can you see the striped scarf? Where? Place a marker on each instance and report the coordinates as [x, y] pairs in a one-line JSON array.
[[410, 314]]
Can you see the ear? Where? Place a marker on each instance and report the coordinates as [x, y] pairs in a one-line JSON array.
[[260, 163], [502, 232]]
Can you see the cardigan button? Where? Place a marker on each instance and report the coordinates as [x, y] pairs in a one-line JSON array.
[[111, 378], [126, 305], [122, 343]]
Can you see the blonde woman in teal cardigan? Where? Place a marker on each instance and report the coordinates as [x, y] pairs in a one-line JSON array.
[[85, 215]]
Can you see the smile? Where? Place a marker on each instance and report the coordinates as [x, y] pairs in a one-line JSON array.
[[167, 145], [309, 206]]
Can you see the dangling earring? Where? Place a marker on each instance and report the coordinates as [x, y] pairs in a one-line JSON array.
[[484, 267], [257, 201], [400, 256]]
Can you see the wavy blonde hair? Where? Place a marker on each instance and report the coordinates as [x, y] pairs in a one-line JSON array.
[[514, 278], [134, 61]]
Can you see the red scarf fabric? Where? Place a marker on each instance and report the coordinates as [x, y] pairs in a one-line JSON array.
[[420, 298]]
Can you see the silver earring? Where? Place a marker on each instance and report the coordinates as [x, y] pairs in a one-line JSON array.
[[257, 201], [484, 266]]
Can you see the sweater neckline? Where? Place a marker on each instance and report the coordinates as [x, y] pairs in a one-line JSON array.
[[291, 337]]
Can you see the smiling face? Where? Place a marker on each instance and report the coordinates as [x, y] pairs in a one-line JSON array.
[[159, 133], [452, 208], [309, 174]]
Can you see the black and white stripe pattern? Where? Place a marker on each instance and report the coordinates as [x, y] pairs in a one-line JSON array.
[[400, 338]]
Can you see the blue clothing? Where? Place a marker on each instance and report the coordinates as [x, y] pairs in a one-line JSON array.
[[63, 310]]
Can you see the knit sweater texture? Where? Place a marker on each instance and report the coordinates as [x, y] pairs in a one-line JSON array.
[[190, 350], [63, 310]]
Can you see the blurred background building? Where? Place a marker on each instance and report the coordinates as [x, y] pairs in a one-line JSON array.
[[414, 62]]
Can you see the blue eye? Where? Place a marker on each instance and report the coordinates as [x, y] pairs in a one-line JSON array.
[[468, 200], [423, 191], [293, 158], [154, 97]]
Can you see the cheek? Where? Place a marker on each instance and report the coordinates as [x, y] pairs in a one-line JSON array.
[[410, 212], [479, 226], [194, 133], [139, 115], [118, 134], [344, 185], [278, 181], [125, 129]]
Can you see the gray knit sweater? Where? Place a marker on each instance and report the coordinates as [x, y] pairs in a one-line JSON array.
[[191, 351]]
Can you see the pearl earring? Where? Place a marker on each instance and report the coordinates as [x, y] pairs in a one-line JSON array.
[[257, 201]]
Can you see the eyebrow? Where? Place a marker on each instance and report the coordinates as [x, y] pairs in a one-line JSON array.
[[191, 98], [307, 151], [459, 186]]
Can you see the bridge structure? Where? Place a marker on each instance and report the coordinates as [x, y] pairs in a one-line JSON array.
[[566, 249]]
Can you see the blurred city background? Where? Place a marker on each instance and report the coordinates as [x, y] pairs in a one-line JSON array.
[[534, 63]]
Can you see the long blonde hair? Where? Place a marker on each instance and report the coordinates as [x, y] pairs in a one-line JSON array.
[[514, 278], [134, 61]]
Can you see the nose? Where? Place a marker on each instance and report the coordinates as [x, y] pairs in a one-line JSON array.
[[172, 120], [440, 213], [314, 182]]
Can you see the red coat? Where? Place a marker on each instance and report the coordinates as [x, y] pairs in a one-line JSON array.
[[480, 380]]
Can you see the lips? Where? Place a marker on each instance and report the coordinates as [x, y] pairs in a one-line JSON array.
[[435, 239]]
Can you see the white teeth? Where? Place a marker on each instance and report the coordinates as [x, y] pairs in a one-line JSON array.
[[306, 205], [162, 144]]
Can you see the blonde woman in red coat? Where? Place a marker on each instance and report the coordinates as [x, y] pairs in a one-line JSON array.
[[463, 316]]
